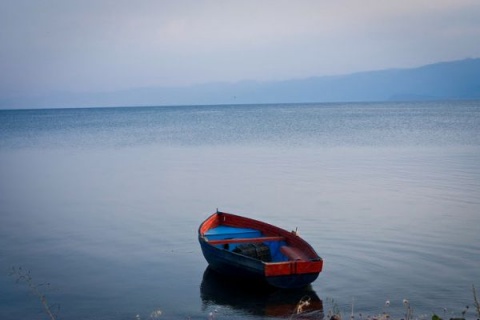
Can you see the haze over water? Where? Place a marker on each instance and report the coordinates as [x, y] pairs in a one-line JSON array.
[[104, 204]]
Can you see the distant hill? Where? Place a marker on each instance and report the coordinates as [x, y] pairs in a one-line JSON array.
[[446, 80], [439, 81]]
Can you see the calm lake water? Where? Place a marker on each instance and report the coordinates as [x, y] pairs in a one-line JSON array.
[[104, 205]]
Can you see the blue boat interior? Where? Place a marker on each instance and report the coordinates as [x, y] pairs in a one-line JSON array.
[[226, 233]]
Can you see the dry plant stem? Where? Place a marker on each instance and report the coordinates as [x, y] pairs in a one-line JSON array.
[[22, 275], [477, 304], [408, 309], [351, 314]]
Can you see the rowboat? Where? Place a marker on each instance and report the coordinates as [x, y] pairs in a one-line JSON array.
[[245, 248]]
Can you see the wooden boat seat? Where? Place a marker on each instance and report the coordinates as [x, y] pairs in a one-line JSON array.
[[246, 240], [294, 254]]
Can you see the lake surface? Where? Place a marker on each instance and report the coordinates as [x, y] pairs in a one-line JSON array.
[[104, 205]]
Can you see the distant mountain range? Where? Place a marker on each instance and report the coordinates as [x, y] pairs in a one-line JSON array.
[[440, 81]]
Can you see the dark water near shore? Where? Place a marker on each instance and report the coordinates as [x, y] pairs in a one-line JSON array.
[[104, 205]]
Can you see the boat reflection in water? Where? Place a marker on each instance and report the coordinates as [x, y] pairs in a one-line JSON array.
[[258, 300]]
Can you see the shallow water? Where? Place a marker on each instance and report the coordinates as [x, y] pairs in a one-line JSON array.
[[104, 205]]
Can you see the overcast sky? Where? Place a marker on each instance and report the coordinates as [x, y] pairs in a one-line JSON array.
[[95, 45]]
